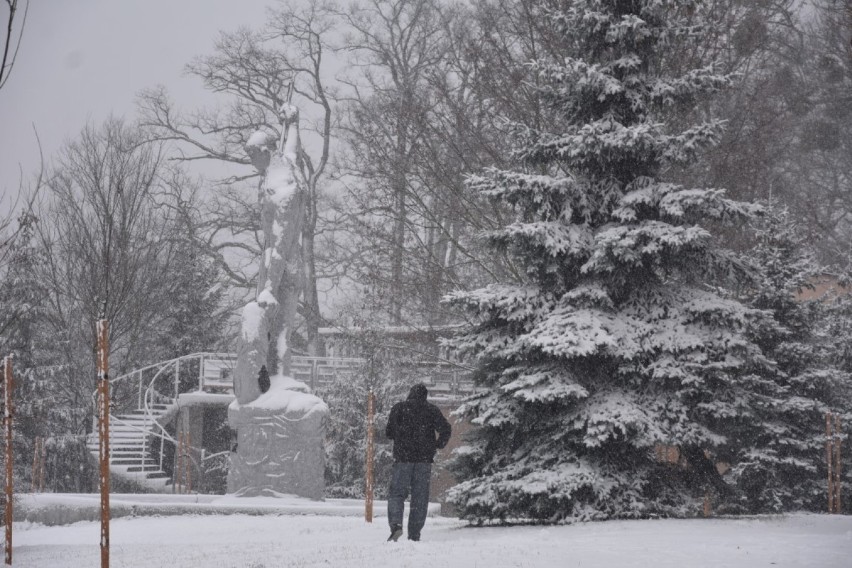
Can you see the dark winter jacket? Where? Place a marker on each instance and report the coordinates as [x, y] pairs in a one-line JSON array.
[[412, 426]]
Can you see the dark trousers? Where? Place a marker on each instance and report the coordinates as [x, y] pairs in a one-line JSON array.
[[414, 478]]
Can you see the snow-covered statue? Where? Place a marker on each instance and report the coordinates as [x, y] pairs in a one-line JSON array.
[[279, 423]]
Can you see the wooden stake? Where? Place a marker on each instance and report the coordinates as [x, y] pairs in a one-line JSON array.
[[34, 478], [9, 384], [188, 463], [178, 464], [368, 483], [837, 441], [43, 467], [37, 481], [102, 332], [829, 459], [183, 464], [832, 450]]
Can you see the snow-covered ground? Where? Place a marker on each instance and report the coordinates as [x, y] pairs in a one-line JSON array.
[[301, 540]]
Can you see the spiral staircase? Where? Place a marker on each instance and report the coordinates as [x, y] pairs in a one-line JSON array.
[[132, 456]]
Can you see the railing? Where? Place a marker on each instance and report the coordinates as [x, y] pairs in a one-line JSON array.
[[162, 383], [213, 372], [217, 369]]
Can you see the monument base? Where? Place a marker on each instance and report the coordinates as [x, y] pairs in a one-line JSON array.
[[279, 445]]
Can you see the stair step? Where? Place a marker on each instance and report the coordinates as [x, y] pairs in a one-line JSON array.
[[143, 468], [133, 461], [128, 435], [159, 475], [154, 409], [140, 417], [121, 448]]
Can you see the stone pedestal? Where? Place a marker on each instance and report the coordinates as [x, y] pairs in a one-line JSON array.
[[279, 445]]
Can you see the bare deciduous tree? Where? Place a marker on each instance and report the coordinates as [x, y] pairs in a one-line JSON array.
[[115, 243], [396, 45], [256, 69], [433, 91]]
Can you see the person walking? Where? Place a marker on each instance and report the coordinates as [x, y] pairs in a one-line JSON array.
[[413, 425]]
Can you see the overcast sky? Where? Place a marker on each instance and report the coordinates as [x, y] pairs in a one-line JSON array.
[[81, 60]]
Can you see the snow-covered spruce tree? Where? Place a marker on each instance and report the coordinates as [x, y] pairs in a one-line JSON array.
[[614, 339], [834, 334], [20, 309], [779, 465]]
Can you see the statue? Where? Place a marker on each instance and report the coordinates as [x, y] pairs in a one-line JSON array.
[[279, 424]]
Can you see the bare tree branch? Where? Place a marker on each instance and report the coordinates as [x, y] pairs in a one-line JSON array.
[[8, 61]]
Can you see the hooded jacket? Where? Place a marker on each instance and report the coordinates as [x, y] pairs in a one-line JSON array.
[[412, 426]]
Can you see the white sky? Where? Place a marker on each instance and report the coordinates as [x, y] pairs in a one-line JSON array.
[[81, 60]]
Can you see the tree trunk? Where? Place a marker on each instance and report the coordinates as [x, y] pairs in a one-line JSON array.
[[313, 317]]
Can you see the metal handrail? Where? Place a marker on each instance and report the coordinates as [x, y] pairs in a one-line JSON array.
[[161, 367], [146, 399], [166, 363]]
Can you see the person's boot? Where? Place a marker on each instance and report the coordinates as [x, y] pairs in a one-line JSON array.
[[396, 532]]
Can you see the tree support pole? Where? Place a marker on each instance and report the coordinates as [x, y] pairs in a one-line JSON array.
[[42, 467], [37, 483], [8, 383], [833, 438], [368, 483], [838, 440], [187, 461], [103, 433], [176, 468]]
